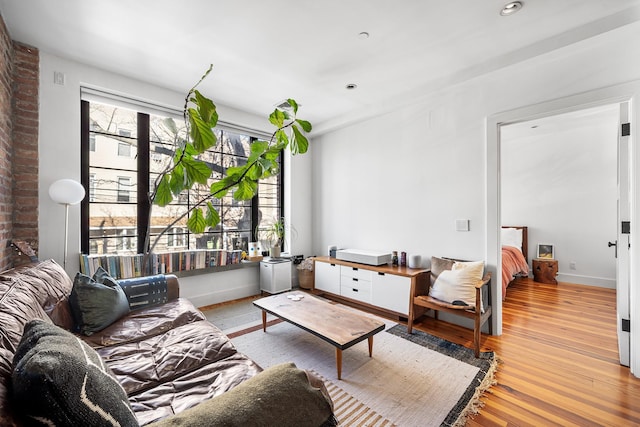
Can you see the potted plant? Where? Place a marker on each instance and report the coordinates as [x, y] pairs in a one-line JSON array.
[[187, 170], [274, 235]]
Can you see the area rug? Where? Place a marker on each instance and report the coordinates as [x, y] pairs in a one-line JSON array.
[[411, 380]]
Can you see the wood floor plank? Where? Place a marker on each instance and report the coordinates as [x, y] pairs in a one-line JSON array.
[[560, 359]]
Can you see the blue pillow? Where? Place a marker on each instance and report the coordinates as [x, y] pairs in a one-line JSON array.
[[96, 302]]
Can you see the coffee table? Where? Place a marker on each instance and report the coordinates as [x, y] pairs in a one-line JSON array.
[[338, 326]]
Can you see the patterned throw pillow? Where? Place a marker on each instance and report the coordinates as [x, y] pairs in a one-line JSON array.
[[59, 380], [96, 302]]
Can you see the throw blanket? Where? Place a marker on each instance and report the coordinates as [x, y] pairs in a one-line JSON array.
[[513, 263]]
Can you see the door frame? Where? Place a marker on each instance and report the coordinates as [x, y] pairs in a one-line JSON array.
[[629, 92]]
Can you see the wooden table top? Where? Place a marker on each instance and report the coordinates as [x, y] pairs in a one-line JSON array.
[[337, 325]]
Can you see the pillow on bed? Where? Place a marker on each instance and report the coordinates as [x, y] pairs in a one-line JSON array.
[[459, 283], [511, 237]]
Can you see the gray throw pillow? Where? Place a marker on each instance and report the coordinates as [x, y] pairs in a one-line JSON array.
[[96, 302], [59, 380]]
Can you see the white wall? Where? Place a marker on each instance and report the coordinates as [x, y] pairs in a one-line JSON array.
[[559, 179], [59, 151], [400, 180]]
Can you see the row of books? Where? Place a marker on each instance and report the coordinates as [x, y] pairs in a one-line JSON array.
[[126, 266]]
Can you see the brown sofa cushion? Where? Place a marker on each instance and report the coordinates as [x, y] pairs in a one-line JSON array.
[[279, 396]]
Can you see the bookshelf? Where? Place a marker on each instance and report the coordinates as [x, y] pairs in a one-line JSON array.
[[127, 266]]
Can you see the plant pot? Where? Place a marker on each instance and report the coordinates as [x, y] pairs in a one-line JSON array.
[[274, 252], [305, 279]]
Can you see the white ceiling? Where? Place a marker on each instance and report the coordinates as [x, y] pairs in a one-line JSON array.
[[266, 51]]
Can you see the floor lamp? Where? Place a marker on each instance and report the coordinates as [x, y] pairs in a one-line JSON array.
[[66, 192]]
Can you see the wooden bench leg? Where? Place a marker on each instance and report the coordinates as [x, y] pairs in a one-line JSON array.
[[477, 334], [339, 362]]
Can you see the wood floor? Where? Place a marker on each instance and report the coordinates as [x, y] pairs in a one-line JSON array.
[[560, 359]]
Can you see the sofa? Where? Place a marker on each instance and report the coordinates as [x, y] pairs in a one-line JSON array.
[[156, 362]]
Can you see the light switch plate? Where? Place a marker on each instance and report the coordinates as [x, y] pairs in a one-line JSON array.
[[462, 225]]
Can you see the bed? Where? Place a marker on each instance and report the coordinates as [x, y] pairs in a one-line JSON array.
[[514, 254]]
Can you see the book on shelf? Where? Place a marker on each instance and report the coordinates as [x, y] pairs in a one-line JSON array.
[[126, 266]]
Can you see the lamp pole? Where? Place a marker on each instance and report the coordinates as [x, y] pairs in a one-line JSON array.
[[66, 192]]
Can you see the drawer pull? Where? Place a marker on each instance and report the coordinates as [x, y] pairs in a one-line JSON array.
[[333, 265], [354, 268], [354, 279], [380, 273], [354, 290]]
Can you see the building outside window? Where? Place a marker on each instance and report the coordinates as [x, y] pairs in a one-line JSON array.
[[130, 149]]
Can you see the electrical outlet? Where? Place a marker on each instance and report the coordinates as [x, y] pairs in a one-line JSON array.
[[572, 265]]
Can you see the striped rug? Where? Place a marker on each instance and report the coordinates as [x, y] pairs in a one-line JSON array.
[[350, 411]]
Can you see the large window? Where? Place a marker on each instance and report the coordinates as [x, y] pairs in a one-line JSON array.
[[123, 152]]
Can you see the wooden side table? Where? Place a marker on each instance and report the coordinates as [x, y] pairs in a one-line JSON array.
[[545, 270]]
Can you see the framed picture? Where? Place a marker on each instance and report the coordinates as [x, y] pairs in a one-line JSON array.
[[545, 250]]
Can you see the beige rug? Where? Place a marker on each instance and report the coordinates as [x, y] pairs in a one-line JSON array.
[[428, 382]]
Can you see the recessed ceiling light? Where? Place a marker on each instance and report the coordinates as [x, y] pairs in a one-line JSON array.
[[511, 8], [351, 86]]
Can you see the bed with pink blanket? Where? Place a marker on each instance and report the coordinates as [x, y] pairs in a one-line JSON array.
[[514, 255]]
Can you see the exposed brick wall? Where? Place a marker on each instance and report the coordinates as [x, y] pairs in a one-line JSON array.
[[6, 151], [26, 82], [19, 84]]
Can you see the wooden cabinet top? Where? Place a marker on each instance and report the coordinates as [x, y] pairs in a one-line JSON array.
[[386, 268]]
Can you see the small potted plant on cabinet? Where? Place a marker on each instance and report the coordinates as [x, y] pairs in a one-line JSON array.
[[274, 235]]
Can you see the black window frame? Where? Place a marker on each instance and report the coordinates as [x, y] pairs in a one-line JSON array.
[[143, 161]]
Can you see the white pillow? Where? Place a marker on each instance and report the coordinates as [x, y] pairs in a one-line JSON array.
[[459, 283], [512, 237]]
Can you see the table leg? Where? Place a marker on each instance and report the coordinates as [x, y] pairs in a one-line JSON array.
[[264, 321], [370, 345], [339, 362]]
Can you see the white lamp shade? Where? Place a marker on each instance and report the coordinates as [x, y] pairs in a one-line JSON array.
[[66, 192]]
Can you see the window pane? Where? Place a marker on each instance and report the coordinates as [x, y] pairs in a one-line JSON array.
[[113, 180]]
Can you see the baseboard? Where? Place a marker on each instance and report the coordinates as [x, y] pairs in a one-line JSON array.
[[587, 280], [214, 288]]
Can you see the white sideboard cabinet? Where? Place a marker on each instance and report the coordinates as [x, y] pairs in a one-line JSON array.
[[384, 287]]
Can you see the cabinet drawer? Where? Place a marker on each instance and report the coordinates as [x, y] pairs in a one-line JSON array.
[[360, 291], [356, 273]]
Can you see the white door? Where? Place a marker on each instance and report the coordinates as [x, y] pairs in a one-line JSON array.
[[623, 242]]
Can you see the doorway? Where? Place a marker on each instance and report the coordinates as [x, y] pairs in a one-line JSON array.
[[626, 93], [559, 179]]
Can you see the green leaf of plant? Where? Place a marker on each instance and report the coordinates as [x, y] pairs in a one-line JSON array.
[[163, 192], [213, 217], [170, 124], [177, 182], [220, 188], [202, 134], [282, 137], [206, 109], [277, 118], [299, 143], [196, 170], [246, 189], [305, 125], [294, 105], [196, 222], [257, 149]]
